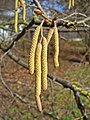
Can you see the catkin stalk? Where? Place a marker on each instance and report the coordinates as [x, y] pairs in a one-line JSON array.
[[49, 35], [56, 46], [69, 4], [16, 16], [44, 63], [33, 48]]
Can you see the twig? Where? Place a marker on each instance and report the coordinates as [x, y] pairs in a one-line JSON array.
[[4, 55], [83, 21], [2, 80], [51, 115], [80, 106], [18, 82], [5, 85], [17, 60], [20, 98], [18, 36], [75, 13]]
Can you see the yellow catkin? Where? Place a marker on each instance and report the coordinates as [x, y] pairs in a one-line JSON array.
[[38, 102], [19, 4], [16, 16], [56, 46], [38, 76], [49, 35], [44, 63], [38, 69], [24, 10], [32, 49], [72, 2], [69, 4]]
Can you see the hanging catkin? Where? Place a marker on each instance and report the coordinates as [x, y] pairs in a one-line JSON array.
[[72, 2], [44, 63], [38, 69], [33, 48], [38, 75], [24, 10], [16, 16], [19, 4], [56, 46], [49, 35], [69, 3]]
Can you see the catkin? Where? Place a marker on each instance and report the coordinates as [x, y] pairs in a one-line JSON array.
[[33, 48], [49, 35], [56, 46], [72, 2], [38, 69], [44, 64], [69, 4], [38, 102], [19, 4], [16, 16], [24, 10]]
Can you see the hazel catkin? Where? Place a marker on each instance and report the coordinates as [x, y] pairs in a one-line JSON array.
[[49, 35], [38, 69], [69, 3], [16, 16], [32, 49], [38, 76], [72, 2], [24, 10], [44, 64], [56, 46]]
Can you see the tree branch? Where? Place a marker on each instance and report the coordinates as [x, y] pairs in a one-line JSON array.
[[83, 21], [60, 22], [17, 37], [64, 83], [80, 106]]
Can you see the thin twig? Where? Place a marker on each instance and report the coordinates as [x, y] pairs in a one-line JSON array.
[[80, 106]]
